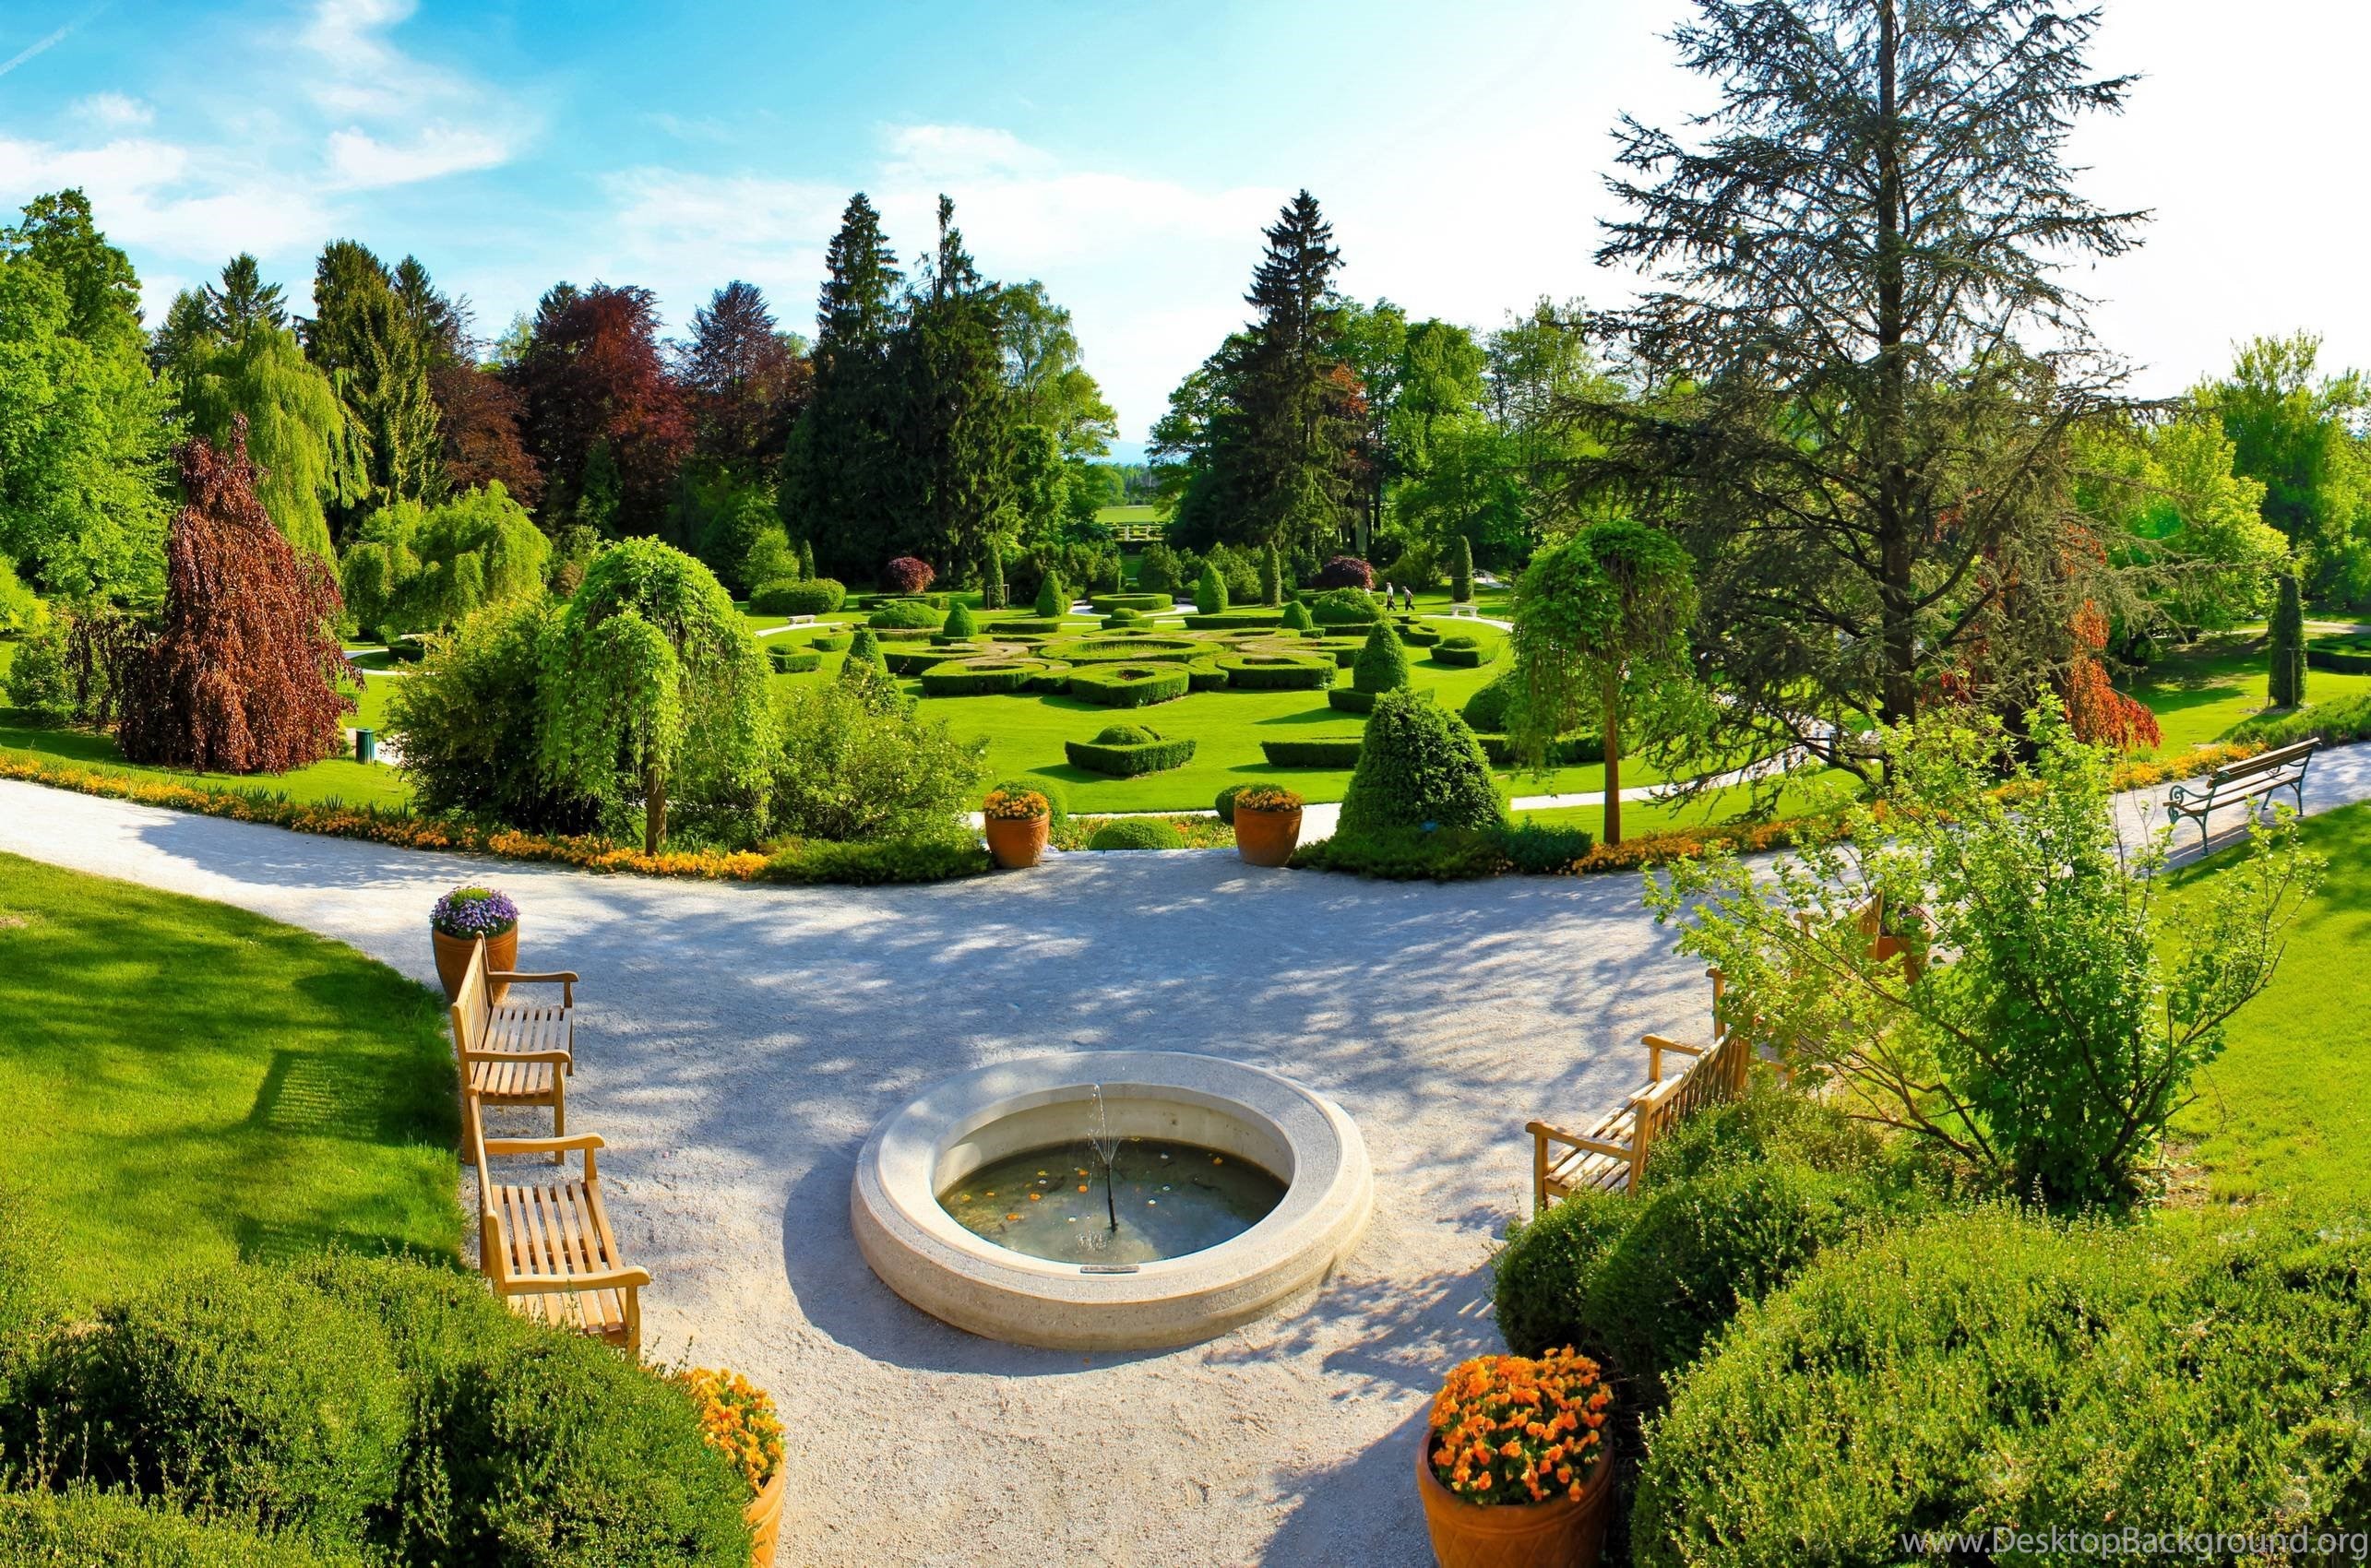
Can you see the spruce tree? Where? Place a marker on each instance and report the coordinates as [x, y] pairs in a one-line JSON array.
[[2287, 686], [1271, 577], [1051, 599], [1210, 592], [806, 561], [840, 489], [1293, 447], [1462, 571], [955, 418], [992, 592], [364, 340]]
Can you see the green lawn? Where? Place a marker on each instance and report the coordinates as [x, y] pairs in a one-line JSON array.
[[2283, 1111], [2199, 694], [188, 1082]]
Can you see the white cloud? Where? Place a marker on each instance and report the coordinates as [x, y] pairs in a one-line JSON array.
[[942, 152], [361, 162], [114, 112]]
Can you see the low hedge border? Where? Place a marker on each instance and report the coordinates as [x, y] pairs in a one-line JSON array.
[[1336, 753], [1349, 699], [1024, 625], [1275, 672], [794, 661], [812, 596], [1193, 832], [1129, 685], [1235, 620], [2335, 662], [1415, 633], [920, 859], [1464, 658], [832, 642], [919, 660], [981, 677], [1122, 647], [1107, 602], [1127, 761], [1204, 675], [1569, 751]]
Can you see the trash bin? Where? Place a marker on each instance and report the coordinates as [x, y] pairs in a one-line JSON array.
[[366, 745]]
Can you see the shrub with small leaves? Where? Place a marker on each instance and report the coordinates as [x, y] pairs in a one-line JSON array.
[[1382, 664], [908, 573], [1344, 572], [1210, 591], [1297, 617], [1418, 766], [1052, 599], [961, 622], [1136, 833]]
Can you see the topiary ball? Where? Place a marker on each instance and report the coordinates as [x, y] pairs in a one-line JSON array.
[[1125, 735], [961, 622], [1227, 802], [1136, 833], [1296, 615]]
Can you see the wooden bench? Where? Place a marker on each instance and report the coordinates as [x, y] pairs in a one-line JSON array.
[[546, 1246], [2254, 778], [1612, 1155], [514, 1052]]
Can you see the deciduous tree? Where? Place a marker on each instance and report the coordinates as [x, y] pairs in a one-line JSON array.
[[598, 397]]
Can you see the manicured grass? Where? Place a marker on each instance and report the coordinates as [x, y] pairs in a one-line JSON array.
[[188, 1082], [1112, 517], [339, 778], [2283, 1112], [2197, 695]]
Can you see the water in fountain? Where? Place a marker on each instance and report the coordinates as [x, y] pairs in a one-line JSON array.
[[1158, 1200]]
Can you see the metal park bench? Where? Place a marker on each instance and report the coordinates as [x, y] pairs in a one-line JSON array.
[[2252, 779]]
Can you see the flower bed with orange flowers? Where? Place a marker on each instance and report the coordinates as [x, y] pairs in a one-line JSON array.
[[738, 1420], [1519, 1430]]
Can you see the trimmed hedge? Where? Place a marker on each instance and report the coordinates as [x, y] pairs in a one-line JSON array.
[[1382, 664], [1569, 751], [1420, 767], [817, 596], [1136, 833], [1226, 803], [960, 624], [1107, 602], [1234, 619], [1128, 686], [2338, 663], [1296, 617], [1333, 753], [1204, 675], [831, 642], [918, 660], [2336, 722], [1406, 854], [87, 1529], [1026, 626], [1464, 652], [1126, 758], [981, 677], [907, 614], [1119, 618], [1275, 672], [1124, 647], [1350, 699], [794, 661], [1417, 635], [1343, 607]]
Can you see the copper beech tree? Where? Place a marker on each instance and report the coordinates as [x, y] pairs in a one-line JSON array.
[[241, 673]]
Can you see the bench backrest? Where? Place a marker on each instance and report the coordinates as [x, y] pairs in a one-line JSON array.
[[2262, 762], [472, 1008]]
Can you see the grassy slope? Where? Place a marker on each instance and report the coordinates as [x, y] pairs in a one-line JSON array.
[[2198, 696], [186, 1081]]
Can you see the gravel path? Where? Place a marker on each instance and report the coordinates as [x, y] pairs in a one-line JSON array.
[[739, 1042]]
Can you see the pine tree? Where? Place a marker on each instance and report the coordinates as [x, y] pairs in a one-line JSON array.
[[992, 594], [840, 486], [1296, 449], [1052, 602], [363, 337], [2287, 686], [1210, 590], [1271, 577], [244, 300], [957, 423], [1462, 571], [806, 561]]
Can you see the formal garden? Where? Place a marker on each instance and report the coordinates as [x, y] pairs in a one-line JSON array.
[[1717, 930]]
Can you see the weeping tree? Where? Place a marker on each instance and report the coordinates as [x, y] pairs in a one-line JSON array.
[[655, 692], [241, 671], [1600, 621]]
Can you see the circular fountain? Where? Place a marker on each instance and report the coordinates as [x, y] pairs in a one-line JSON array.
[[1113, 1200]]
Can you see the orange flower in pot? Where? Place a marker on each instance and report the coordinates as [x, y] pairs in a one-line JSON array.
[[1268, 825], [1019, 823], [738, 1420], [1513, 1466]]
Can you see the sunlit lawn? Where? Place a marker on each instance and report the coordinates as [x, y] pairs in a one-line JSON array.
[[2198, 695], [188, 1082]]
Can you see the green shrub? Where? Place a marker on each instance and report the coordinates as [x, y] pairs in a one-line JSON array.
[[917, 660], [1226, 803], [1205, 675], [1419, 766], [1462, 571], [1052, 599], [1771, 1121], [466, 722], [1141, 603], [832, 642], [1210, 591], [1343, 699], [1542, 1277], [1233, 621], [1058, 802], [1124, 646], [1486, 710], [1465, 651], [2338, 723], [1540, 849], [2286, 685], [1382, 664], [961, 622], [38, 685], [1271, 577], [792, 660], [852, 765], [1124, 751], [1275, 671], [243, 1390], [32, 1307], [863, 647], [934, 856], [1026, 627], [1119, 618], [1333, 753], [1566, 751], [87, 1529], [1986, 1367], [976, 677], [1415, 633], [817, 596], [909, 613], [1297, 617], [1344, 607], [1136, 833], [1406, 854], [1128, 686]]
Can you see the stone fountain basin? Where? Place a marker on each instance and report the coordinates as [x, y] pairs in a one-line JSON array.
[[921, 1252]]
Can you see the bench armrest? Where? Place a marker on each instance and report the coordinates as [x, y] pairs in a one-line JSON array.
[[582, 1141], [557, 1058], [560, 1283], [565, 979], [1576, 1140]]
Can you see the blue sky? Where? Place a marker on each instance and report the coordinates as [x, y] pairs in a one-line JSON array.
[[1126, 154]]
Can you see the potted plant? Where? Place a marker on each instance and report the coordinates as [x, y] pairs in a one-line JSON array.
[[1019, 823], [1268, 825], [461, 917], [738, 1420], [1513, 1466]]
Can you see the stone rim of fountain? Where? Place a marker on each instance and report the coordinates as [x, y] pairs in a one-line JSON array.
[[921, 1252]]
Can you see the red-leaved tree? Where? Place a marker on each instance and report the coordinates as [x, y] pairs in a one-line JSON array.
[[595, 374], [908, 573], [241, 673]]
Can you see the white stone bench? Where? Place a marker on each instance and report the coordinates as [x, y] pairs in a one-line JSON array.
[[1467, 610]]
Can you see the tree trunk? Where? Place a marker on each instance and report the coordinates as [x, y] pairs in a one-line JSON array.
[[1611, 692], [654, 810]]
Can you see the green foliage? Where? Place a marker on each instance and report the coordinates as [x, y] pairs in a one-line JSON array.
[[33, 1307], [1406, 854], [1124, 751], [2287, 686], [1226, 803], [312, 453], [1297, 617], [19, 608], [1464, 652], [466, 722], [655, 690], [769, 558], [1110, 602], [864, 648], [1419, 766], [2052, 1049], [88, 1529], [1486, 710], [907, 614], [2336, 723], [1382, 664], [1231, 621], [2294, 434], [2169, 490], [875, 863], [1128, 686], [1136, 833], [1210, 592], [1462, 571], [809, 596], [1276, 671], [267, 1402], [992, 581], [39, 686], [1053, 600], [980, 677], [1536, 848], [792, 660], [961, 622], [854, 767], [1058, 802], [1343, 607], [2008, 1368], [415, 569], [1271, 577]]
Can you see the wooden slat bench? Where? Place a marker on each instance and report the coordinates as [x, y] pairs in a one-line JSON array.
[[511, 1051], [1612, 1155], [545, 1246], [2253, 779]]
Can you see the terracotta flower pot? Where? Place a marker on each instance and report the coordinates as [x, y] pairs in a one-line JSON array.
[[453, 958], [1018, 841], [1267, 838], [1566, 1532], [764, 1518]]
